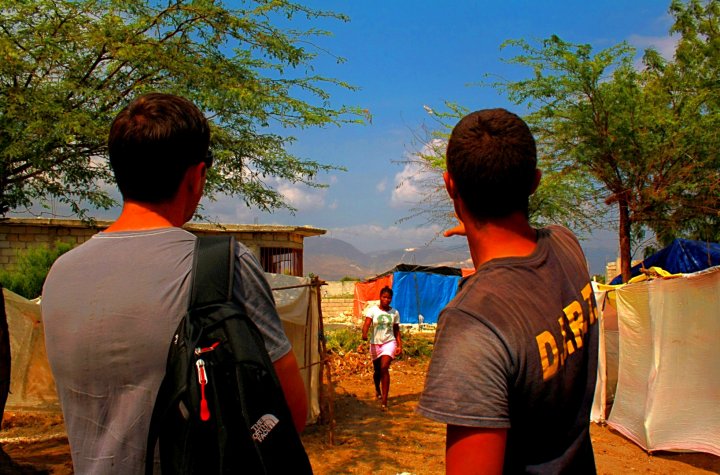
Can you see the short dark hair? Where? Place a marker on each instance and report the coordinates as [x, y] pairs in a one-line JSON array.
[[386, 290], [152, 143], [491, 157]]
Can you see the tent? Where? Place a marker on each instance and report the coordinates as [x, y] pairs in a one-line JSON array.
[[31, 382], [417, 290], [32, 386], [668, 364], [682, 256]]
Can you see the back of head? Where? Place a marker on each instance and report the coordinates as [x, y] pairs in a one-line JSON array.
[[491, 157], [152, 143]]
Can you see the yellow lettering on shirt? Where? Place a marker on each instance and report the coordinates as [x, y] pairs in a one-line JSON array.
[[573, 328], [548, 354]]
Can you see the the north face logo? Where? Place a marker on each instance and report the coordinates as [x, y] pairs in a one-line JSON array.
[[263, 426]]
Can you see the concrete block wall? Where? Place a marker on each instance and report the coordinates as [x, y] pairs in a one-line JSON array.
[[18, 234], [334, 307]]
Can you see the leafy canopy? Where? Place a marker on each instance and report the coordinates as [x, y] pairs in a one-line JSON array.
[[69, 66], [564, 196]]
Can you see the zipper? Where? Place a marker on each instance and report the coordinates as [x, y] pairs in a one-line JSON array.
[[203, 379]]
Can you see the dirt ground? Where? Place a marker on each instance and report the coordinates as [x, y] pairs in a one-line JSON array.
[[366, 440]]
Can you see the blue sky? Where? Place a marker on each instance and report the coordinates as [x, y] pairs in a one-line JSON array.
[[403, 55], [407, 54]]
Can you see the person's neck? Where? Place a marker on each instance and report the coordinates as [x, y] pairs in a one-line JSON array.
[[510, 236], [137, 216]]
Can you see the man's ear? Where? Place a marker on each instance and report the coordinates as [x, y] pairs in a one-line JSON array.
[[536, 182], [450, 185]]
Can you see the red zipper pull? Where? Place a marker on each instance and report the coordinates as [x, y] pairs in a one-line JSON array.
[[199, 350], [202, 379]]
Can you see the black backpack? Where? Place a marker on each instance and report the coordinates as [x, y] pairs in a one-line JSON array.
[[220, 408]]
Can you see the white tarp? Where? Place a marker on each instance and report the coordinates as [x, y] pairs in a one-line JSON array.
[[297, 304], [668, 389], [32, 385], [607, 352]]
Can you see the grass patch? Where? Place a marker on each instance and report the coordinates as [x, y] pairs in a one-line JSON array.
[[347, 340]]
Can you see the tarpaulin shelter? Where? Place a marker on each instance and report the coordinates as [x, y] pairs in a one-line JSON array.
[[417, 290], [668, 365], [682, 256], [32, 385]]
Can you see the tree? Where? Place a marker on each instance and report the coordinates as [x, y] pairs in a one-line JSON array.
[[692, 81], [69, 65], [639, 134], [564, 196]]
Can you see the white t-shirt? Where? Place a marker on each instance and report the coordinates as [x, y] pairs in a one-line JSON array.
[[382, 322]]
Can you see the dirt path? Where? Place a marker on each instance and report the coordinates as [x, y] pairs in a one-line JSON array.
[[366, 439]]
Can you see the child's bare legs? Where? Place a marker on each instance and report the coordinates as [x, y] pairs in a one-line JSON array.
[[385, 377], [376, 377]]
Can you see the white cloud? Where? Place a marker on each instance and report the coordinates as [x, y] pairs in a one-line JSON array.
[[415, 181], [381, 186], [373, 237], [407, 190], [228, 210], [302, 197], [665, 45]]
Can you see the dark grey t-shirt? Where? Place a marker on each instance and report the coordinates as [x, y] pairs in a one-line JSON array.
[[517, 349], [110, 308]]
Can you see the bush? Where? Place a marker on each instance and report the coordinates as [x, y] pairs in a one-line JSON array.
[[343, 341], [33, 264], [347, 340], [416, 345]]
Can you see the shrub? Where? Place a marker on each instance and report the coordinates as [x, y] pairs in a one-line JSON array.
[[347, 340], [343, 341], [416, 345], [33, 264]]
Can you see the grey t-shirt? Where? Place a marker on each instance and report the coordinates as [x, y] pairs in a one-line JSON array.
[[517, 349], [110, 308]]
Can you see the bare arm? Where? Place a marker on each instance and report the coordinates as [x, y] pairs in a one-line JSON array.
[[366, 327], [293, 387], [396, 332], [474, 450]]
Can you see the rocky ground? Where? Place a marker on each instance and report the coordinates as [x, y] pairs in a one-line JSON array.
[[364, 439]]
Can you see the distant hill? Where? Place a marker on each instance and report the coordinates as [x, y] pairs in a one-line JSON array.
[[333, 259]]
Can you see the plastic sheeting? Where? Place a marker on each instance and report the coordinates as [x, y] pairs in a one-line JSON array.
[[32, 385], [607, 353], [366, 292], [417, 290], [422, 293], [669, 363], [681, 256], [31, 382]]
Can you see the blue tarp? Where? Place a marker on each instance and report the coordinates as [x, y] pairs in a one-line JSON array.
[[682, 256], [422, 293]]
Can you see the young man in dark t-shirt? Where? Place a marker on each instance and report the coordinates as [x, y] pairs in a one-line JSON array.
[[514, 366]]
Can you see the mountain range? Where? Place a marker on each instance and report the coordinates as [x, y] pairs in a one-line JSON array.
[[333, 259]]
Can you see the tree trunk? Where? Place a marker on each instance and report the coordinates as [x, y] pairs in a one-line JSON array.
[[4, 356], [624, 238]]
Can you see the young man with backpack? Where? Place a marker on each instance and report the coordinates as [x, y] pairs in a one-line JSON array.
[[515, 358], [112, 305]]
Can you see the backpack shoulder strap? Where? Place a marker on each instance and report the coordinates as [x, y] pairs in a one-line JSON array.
[[214, 270]]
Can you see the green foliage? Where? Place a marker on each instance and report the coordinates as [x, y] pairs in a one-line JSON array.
[[645, 137], [33, 264], [415, 345], [350, 279], [564, 197], [68, 66], [344, 340]]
